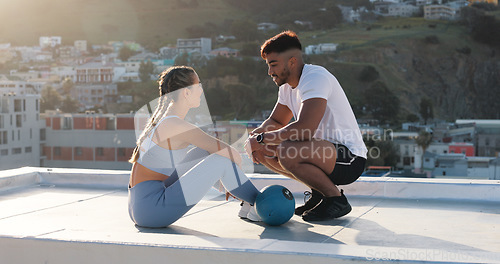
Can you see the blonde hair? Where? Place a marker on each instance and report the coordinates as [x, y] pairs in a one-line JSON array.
[[170, 80]]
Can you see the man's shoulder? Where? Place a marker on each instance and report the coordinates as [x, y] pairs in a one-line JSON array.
[[312, 69]]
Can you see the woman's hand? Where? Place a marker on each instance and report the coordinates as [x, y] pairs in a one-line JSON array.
[[228, 194]]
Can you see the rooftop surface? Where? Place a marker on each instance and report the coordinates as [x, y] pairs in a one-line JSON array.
[[63, 215]]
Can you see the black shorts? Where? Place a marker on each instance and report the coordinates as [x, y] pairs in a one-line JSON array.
[[348, 166]]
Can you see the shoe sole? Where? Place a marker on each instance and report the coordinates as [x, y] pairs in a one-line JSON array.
[[316, 218]]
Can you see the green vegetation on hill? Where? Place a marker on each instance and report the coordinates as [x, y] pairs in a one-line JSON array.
[[453, 64]]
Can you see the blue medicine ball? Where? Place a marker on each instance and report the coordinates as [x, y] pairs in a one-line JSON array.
[[275, 205]]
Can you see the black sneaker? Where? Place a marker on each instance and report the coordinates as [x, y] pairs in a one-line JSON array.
[[329, 208], [314, 199]]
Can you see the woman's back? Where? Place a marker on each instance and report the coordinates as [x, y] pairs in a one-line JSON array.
[[156, 152]]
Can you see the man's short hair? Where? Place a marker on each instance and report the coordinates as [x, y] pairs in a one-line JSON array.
[[282, 42]]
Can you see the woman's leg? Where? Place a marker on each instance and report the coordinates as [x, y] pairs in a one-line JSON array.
[[164, 205], [197, 180]]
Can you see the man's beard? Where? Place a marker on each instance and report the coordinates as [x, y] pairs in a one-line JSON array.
[[281, 78]]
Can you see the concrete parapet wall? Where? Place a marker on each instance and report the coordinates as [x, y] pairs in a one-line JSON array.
[[385, 187]]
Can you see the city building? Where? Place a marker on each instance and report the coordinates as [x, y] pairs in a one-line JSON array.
[[349, 14], [95, 72], [64, 72], [462, 147], [50, 42], [485, 135], [19, 87], [403, 10], [266, 26], [90, 140], [442, 12], [323, 48], [495, 2], [91, 95], [455, 165], [21, 130], [225, 52], [200, 45], [408, 149], [81, 45]]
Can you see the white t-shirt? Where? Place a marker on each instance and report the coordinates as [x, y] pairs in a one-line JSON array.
[[339, 124]]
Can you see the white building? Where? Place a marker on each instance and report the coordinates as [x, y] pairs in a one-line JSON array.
[[19, 87], [25, 75], [51, 42], [21, 130], [168, 52], [403, 10], [323, 48], [267, 26], [64, 72], [443, 12], [91, 95], [200, 45], [81, 45]]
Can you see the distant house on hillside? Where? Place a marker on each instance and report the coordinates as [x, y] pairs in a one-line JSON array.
[[50, 42], [307, 24], [403, 10], [201, 45], [495, 2], [350, 15], [323, 48], [222, 38], [225, 52], [450, 11], [266, 26], [168, 53]]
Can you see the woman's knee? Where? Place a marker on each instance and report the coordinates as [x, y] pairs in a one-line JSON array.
[[196, 154]]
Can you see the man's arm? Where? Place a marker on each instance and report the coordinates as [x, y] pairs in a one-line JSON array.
[[304, 127], [280, 116]]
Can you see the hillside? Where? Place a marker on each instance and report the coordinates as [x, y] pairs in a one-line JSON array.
[[420, 59], [144, 21], [413, 57]]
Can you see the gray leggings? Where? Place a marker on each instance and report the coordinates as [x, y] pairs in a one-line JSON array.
[[159, 204]]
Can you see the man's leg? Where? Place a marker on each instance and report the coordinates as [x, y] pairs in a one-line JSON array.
[[270, 160], [310, 162]]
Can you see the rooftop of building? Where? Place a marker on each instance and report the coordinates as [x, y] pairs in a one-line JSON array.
[[65, 214]]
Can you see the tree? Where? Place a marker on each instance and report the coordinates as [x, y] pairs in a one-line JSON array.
[[125, 53], [70, 105], [426, 109], [182, 59], [67, 86], [245, 30], [145, 70], [412, 118], [483, 28], [381, 102], [382, 153], [423, 140], [51, 99], [368, 74], [240, 96], [217, 99]]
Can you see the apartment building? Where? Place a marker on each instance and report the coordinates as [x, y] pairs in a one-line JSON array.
[[21, 130], [200, 45], [90, 140], [403, 10], [443, 12]]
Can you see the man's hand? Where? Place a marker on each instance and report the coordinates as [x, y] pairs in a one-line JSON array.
[[253, 148]]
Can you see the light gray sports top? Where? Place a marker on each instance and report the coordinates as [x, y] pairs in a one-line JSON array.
[[157, 158]]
